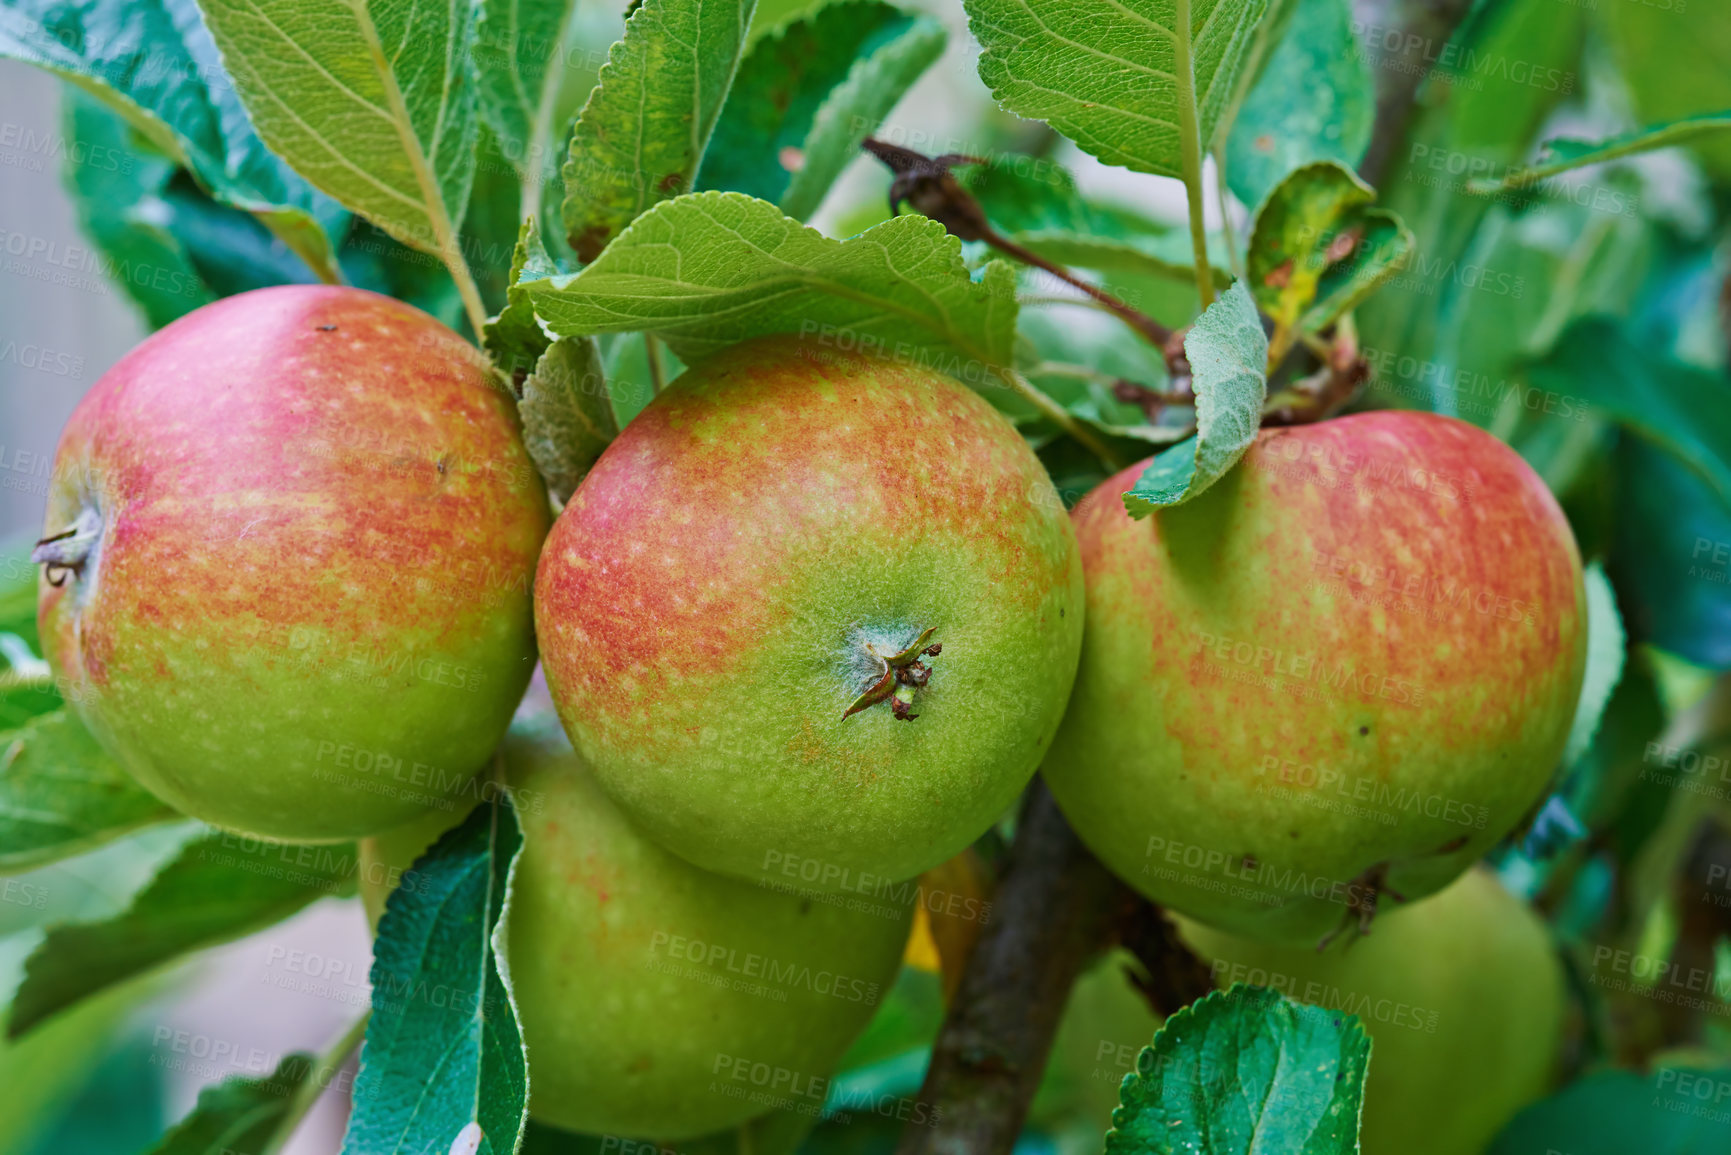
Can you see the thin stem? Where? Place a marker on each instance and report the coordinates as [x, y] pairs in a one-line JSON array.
[[311, 1088], [1190, 142], [1074, 372], [540, 133], [468, 290], [1036, 300], [1233, 256], [652, 354], [1058, 415], [1150, 329]]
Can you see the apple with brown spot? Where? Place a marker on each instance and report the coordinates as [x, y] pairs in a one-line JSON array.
[[1341, 673], [813, 616], [288, 555]]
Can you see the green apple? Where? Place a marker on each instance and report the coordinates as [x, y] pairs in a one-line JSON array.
[[658, 1000], [813, 617], [288, 552], [1344, 671], [1462, 994]]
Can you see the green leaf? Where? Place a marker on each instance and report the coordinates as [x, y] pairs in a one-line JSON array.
[[1228, 354], [1673, 62], [121, 208], [240, 1116], [220, 888], [808, 93], [567, 413], [1566, 153], [153, 62], [514, 337], [1035, 203], [1110, 75], [373, 101], [18, 590], [1665, 1112], [1246, 1071], [1606, 650], [1315, 100], [516, 44], [61, 794], [1683, 410], [1672, 555], [641, 136], [1317, 249], [711, 269], [443, 1053]]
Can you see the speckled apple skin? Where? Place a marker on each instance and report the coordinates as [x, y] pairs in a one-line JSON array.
[[704, 600], [308, 615], [1463, 996], [1283, 687], [643, 982]]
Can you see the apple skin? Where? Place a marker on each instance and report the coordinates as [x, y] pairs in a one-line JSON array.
[[640, 979], [308, 612], [1462, 995], [705, 601], [1282, 688]]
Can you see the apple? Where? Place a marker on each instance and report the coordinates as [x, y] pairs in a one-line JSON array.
[[1340, 674], [812, 618], [1462, 995], [658, 1000], [289, 546]]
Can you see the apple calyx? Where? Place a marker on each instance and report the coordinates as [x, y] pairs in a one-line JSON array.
[[899, 676], [66, 552]]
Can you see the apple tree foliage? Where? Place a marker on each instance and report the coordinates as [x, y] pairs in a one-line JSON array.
[[1527, 242]]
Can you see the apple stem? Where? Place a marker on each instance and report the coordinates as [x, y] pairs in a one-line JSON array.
[[67, 551]]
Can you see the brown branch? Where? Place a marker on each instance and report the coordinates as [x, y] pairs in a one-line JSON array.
[[1054, 910], [1425, 27], [927, 185]]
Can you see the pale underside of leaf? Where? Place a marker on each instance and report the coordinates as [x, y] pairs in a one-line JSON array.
[[1228, 354], [711, 269]]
